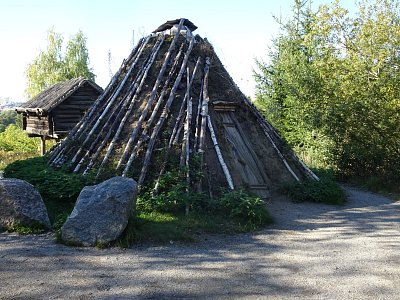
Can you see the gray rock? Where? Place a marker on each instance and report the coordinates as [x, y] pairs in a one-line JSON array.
[[101, 212], [21, 203]]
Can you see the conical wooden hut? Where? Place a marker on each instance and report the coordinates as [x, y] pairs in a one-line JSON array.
[[173, 103]]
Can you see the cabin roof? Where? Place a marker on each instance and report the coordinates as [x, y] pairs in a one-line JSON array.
[[171, 23], [56, 94]]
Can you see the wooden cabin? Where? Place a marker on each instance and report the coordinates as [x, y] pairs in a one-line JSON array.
[[54, 112]]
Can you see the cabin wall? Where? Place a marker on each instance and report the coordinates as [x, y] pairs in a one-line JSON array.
[[37, 125], [67, 114]]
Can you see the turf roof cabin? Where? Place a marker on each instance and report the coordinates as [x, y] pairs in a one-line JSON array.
[[171, 105], [55, 111]]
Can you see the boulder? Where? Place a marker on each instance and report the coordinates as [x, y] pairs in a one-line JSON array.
[[101, 212], [21, 203]]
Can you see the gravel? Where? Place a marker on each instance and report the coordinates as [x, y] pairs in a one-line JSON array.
[[312, 251]]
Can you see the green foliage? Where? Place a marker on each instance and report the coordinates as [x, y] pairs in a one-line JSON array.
[[15, 139], [34, 228], [331, 87], [171, 195], [324, 191], [53, 66], [248, 210], [58, 188], [8, 117]]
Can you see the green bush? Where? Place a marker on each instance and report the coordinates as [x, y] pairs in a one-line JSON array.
[[326, 190], [8, 117], [15, 139], [248, 210]]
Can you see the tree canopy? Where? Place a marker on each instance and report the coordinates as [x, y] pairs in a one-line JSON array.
[[53, 65], [331, 86]]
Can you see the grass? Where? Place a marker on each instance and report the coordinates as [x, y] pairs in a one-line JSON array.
[[8, 157], [162, 228]]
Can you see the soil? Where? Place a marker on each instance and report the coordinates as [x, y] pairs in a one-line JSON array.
[[312, 251]]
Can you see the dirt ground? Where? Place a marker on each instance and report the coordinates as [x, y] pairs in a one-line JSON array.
[[311, 252]]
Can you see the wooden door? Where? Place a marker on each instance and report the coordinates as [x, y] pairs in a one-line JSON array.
[[245, 159]]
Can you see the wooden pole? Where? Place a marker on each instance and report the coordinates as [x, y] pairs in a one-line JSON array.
[[72, 135], [160, 100], [110, 103], [197, 122], [138, 126], [204, 108], [186, 134], [163, 117], [219, 154], [128, 112], [42, 145]]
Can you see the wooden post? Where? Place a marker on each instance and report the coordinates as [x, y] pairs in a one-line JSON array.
[[42, 145]]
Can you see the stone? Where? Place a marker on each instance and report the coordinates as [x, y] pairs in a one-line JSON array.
[[101, 212], [21, 203]]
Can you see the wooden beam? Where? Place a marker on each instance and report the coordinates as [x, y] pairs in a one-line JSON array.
[[42, 145]]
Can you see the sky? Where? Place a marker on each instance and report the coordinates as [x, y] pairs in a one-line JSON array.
[[240, 31]]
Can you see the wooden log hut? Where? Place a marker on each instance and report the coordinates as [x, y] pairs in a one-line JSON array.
[[55, 111], [171, 105]]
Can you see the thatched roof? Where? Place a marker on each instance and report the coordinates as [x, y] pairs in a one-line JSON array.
[[54, 95], [171, 23]]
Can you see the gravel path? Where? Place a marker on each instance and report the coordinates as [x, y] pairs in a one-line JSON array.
[[312, 251]]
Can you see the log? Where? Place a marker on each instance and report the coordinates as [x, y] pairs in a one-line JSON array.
[[160, 100], [219, 154], [197, 122], [279, 152], [204, 108], [138, 89], [170, 143], [163, 117], [81, 124], [186, 133], [138, 126], [110, 103]]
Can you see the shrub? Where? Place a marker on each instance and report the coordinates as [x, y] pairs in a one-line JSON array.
[[15, 139], [248, 210], [326, 190]]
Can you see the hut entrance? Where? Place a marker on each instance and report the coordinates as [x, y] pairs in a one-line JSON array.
[[246, 163]]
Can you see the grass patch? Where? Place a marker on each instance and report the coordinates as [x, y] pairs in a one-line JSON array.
[[8, 157], [326, 190], [162, 228]]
